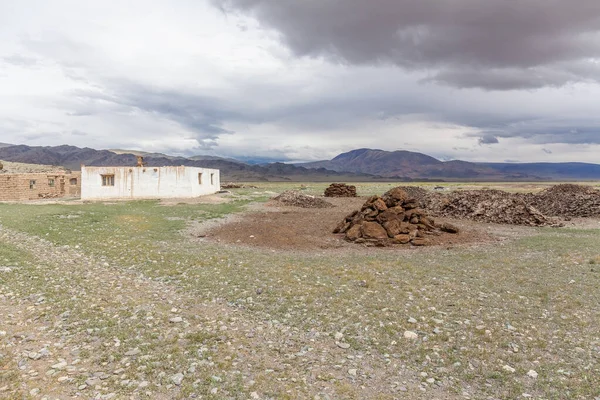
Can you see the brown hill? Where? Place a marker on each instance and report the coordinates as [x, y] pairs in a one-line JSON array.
[[408, 165], [72, 157]]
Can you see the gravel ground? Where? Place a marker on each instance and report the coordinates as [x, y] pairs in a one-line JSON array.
[[120, 301]]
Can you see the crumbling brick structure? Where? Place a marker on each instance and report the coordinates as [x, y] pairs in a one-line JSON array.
[[33, 186]]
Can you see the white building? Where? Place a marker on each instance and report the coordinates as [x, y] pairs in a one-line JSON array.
[[102, 183]]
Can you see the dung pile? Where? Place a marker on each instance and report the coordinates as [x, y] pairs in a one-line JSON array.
[[417, 193], [232, 185], [567, 200], [393, 218], [493, 206], [340, 190], [296, 199]]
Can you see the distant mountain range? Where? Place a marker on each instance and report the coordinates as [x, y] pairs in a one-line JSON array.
[[353, 166], [410, 165], [72, 157]]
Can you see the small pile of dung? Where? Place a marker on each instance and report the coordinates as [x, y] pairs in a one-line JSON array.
[[340, 190], [296, 199]]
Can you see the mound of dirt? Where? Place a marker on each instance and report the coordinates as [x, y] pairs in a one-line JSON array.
[[340, 190], [393, 218], [296, 199], [567, 200], [493, 206]]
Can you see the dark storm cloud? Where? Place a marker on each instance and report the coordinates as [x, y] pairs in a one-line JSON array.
[[547, 131], [488, 139], [492, 44], [382, 93]]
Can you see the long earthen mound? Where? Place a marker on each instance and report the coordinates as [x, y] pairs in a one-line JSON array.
[[493, 206], [393, 218], [567, 200]]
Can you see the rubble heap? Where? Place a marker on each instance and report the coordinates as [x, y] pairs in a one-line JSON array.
[[296, 199], [393, 218], [493, 206], [567, 200], [340, 190]]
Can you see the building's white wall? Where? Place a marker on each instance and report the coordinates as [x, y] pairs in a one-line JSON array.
[[148, 182]]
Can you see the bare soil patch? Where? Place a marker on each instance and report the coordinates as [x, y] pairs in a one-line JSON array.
[[274, 226], [218, 198]]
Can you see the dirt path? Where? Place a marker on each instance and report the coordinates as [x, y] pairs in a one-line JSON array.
[[74, 326]]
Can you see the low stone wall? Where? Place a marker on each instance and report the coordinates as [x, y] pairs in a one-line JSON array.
[[33, 186]]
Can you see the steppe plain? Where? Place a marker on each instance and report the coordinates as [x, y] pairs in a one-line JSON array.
[[168, 300]]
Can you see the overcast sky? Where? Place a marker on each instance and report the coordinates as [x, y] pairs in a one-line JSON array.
[[491, 80]]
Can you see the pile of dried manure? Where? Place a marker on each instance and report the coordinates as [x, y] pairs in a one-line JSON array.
[[296, 199], [493, 206], [393, 218]]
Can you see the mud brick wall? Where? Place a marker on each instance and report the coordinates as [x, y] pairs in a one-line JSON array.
[[19, 187]]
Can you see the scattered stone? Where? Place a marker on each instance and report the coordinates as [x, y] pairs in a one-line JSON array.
[[411, 335], [59, 366], [134, 352], [177, 379], [342, 345], [508, 368], [352, 371], [176, 320], [532, 374]]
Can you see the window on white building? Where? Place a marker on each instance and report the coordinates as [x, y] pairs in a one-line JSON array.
[[108, 180]]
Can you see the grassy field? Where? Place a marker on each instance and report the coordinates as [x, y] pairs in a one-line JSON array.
[[116, 301]]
